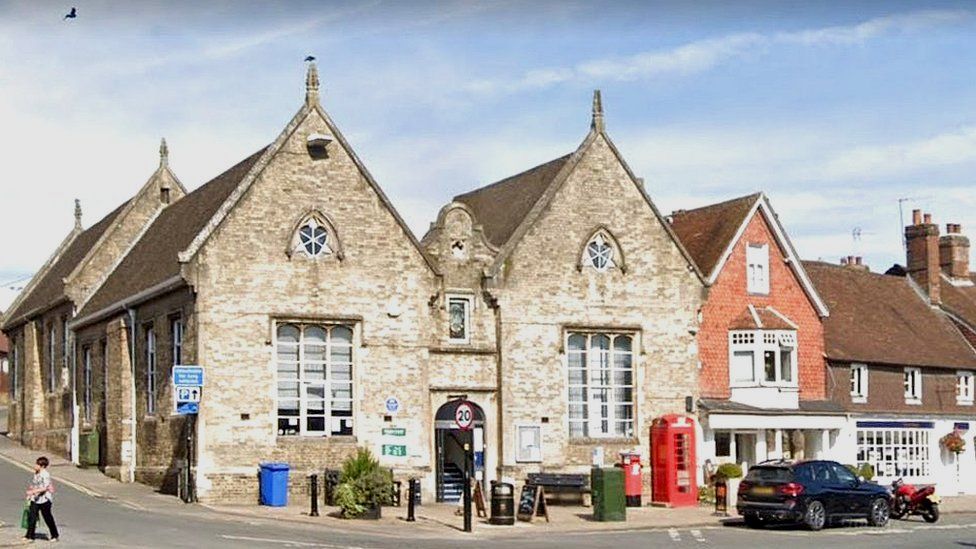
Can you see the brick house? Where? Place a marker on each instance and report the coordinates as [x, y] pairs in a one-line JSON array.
[[900, 363], [324, 325], [762, 371], [37, 322]]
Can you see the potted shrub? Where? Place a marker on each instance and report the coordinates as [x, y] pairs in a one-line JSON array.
[[953, 442], [364, 487], [730, 473]]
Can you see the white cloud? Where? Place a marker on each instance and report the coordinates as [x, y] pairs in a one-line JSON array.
[[868, 162], [702, 55]]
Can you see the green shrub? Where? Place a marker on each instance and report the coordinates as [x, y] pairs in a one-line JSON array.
[[728, 470], [706, 494], [363, 484], [865, 470]]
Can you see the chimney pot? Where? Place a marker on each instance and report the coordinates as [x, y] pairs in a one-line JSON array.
[[843, 261], [857, 260], [927, 219], [916, 217]]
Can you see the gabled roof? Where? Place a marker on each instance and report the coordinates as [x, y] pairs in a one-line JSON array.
[[154, 258], [521, 199], [959, 300], [710, 234], [501, 206], [47, 289], [708, 231], [882, 319]]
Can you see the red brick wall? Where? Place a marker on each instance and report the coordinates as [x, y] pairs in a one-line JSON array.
[[728, 298]]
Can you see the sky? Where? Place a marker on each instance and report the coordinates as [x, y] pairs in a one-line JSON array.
[[841, 112]]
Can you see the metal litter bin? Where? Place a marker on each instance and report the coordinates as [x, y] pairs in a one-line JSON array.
[[502, 504]]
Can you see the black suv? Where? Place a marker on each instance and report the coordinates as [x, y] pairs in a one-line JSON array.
[[811, 492]]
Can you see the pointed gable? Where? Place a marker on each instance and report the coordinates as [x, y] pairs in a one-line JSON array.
[[154, 258], [708, 232], [500, 207], [48, 289]]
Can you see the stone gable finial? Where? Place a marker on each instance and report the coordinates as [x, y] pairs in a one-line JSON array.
[[163, 153], [597, 123], [77, 214], [312, 84]]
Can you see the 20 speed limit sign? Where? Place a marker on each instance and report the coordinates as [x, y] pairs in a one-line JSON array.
[[464, 416]]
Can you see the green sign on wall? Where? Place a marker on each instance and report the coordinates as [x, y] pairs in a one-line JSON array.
[[395, 450], [395, 432]]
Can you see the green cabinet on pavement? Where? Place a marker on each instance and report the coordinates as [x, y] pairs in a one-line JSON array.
[[88, 448], [607, 487]]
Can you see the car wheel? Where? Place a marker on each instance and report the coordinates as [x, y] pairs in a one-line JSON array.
[[878, 516], [753, 521], [816, 516], [932, 513]]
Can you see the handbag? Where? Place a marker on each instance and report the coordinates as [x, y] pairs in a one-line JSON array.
[[25, 516]]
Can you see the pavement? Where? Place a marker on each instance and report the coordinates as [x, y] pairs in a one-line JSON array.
[[96, 511]]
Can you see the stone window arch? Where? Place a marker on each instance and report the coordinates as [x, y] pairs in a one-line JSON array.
[[314, 237], [601, 252]]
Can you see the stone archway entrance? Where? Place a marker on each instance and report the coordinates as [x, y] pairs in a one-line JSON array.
[[449, 450]]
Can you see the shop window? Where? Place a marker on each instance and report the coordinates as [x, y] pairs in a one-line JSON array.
[[529, 443], [913, 386], [777, 349], [459, 318], [315, 383], [894, 453], [601, 385], [757, 268]]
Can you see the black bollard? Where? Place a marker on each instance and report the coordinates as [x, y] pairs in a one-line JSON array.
[[412, 488], [314, 481]]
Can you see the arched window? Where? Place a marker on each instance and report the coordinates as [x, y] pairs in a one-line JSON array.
[[315, 237], [601, 252]]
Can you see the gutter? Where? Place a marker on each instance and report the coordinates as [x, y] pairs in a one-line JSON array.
[[127, 303]]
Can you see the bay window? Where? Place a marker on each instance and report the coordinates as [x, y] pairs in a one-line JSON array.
[[601, 385], [314, 387], [762, 357]]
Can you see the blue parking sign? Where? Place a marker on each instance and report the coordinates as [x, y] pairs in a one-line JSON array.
[[188, 375]]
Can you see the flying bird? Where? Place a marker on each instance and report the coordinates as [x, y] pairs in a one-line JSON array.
[[71, 14], [309, 58]]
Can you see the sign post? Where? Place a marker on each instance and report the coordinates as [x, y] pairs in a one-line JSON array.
[[464, 418], [187, 392]]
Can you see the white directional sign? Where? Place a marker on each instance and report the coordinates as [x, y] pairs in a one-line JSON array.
[[464, 416], [187, 388]]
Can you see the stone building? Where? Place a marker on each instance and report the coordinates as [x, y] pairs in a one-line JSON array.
[[6, 385], [762, 377], [557, 303], [37, 323]]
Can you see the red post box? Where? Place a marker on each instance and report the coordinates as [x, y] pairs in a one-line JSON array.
[[633, 483], [673, 461]]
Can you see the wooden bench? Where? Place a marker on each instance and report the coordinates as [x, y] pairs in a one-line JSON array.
[[556, 484]]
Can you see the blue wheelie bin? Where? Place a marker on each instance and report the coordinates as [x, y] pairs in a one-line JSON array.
[[274, 484]]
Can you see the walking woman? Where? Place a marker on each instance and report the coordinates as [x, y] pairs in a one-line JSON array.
[[40, 492]]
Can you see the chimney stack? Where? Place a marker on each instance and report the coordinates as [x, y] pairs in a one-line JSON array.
[[923, 254], [954, 252], [854, 262]]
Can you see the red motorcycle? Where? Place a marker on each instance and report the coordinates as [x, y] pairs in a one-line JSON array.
[[909, 500]]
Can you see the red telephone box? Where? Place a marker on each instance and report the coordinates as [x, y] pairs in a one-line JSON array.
[[673, 461]]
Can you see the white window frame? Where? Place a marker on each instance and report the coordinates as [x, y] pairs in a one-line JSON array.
[[895, 452], [523, 454], [759, 342], [913, 385], [176, 332], [591, 422], [965, 387], [859, 383], [151, 373], [603, 261], [468, 305], [757, 268], [328, 381], [87, 377], [14, 369]]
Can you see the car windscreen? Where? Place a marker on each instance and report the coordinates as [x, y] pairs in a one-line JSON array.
[[769, 474]]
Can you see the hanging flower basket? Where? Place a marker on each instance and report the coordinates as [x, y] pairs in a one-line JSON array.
[[953, 442]]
